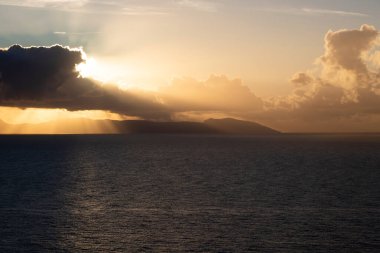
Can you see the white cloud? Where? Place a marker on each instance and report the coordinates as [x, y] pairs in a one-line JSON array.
[[116, 7], [66, 4], [333, 12], [312, 11], [199, 5]]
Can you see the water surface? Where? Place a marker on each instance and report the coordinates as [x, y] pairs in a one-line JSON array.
[[199, 193]]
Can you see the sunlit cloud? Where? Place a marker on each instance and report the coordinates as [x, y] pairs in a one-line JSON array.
[[47, 77], [343, 87]]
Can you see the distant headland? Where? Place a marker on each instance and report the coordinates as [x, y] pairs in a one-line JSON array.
[[88, 126]]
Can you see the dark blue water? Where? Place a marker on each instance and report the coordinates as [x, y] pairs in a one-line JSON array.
[[178, 193]]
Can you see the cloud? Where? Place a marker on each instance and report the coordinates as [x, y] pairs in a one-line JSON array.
[[119, 7], [301, 79], [342, 85], [46, 77], [333, 12], [216, 94], [341, 93], [75, 33], [344, 48], [89, 6], [342, 88], [312, 12], [66, 4], [200, 5]]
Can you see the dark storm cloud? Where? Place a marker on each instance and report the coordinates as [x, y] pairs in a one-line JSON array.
[[36, 72], [46, 77]]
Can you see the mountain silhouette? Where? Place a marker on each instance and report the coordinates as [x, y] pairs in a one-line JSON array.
[[234, 126], [89, 126]]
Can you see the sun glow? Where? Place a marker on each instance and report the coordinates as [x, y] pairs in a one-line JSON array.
[[105, 72], [56, 121], [91, 69], [123, 73]]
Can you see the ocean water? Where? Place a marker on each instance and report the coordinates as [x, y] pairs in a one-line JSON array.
[[190, 193]]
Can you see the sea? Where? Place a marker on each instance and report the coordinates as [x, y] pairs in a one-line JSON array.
[[190, 193]]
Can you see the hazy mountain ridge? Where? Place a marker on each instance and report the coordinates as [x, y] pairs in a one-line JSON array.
[[234, 126], [88, 126]]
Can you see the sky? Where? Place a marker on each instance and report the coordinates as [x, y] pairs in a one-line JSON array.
[[298, 66]]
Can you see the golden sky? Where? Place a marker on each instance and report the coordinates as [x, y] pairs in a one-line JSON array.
[[297, 66]]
